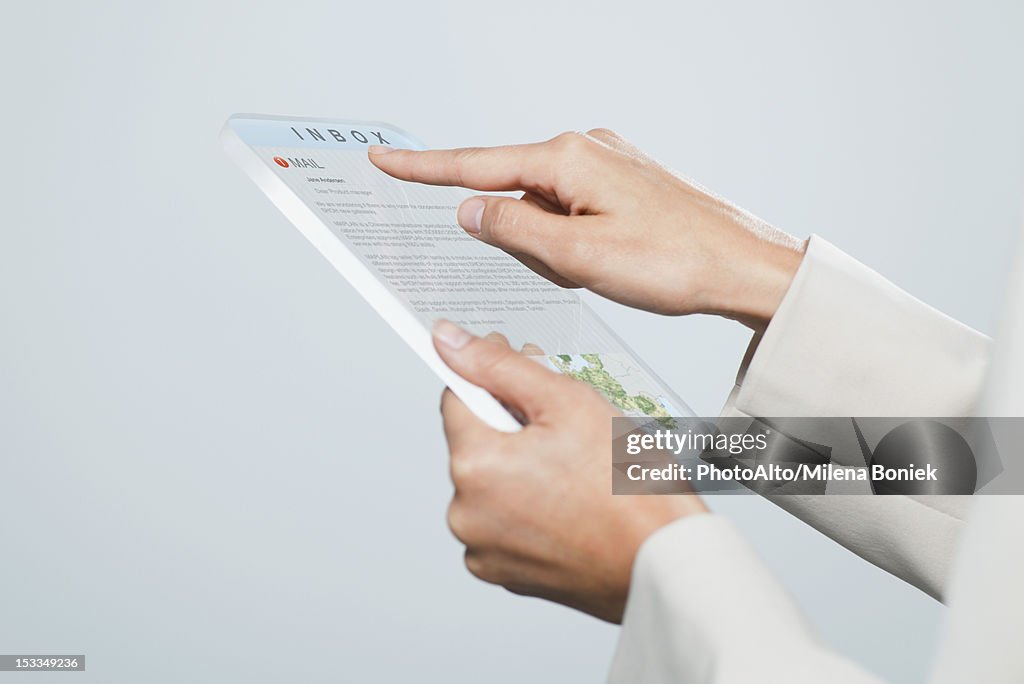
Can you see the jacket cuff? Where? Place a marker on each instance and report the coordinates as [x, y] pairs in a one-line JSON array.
[[842, 326]]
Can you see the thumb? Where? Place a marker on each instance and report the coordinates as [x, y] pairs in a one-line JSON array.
[[508, 375], [518, 226]]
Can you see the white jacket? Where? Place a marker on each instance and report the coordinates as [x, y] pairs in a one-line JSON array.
[[845, 342]]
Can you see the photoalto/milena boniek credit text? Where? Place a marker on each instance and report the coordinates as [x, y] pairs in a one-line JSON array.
[[845, 455]]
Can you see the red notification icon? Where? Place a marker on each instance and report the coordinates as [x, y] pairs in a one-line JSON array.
[[281, 162]]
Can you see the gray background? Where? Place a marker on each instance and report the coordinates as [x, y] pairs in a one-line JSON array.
[[218, 464]]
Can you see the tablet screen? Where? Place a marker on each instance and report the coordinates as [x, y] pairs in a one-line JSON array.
[[405, 237]]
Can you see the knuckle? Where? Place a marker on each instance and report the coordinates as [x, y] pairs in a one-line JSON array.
[[503, 219], [479, 567], [463, 468], [497, 337], [461, 160], [603, 134], [456, 519], [571, 143], [493, 360]]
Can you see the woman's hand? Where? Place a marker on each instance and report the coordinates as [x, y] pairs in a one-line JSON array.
[[535, 508], [599, 214]]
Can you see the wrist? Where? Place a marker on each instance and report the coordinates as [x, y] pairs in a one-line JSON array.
[[760, 279]]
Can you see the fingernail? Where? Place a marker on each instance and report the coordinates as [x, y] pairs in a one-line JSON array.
[[380, 149], [471, 213], [450, 334]]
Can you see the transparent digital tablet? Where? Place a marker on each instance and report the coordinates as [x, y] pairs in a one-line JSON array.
[[399, 246]]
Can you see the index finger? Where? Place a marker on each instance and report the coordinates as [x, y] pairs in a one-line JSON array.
[[510, 167]]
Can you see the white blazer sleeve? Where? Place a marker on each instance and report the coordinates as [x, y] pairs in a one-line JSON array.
[[844, 342], [847, 342], [704, 609]]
